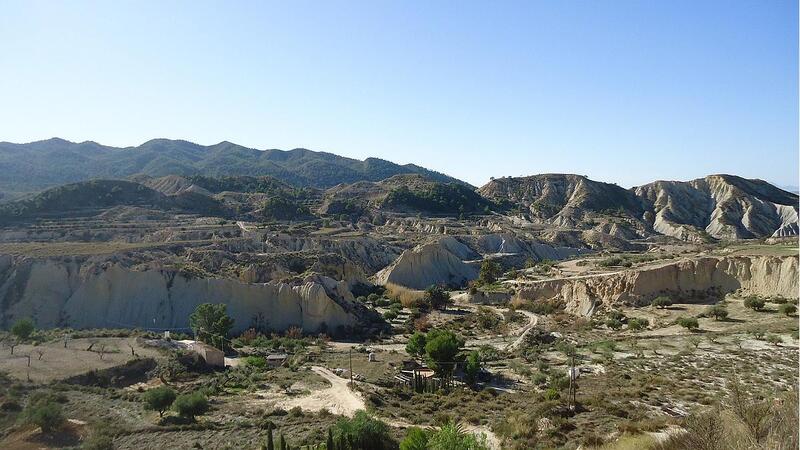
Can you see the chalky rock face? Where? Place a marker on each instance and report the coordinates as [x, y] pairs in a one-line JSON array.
[[88, 295], [438, 262], [724, 206], [759, 275]]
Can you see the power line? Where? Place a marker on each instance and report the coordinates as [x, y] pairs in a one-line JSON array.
[[133, 326]]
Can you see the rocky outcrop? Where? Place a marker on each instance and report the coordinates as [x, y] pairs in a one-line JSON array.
[[561, 199], [684, 280], [723, 206], [719, 206], [79, 294], [438, 262], [454, 261]]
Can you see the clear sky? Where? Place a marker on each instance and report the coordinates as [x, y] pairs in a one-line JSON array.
[[623, 91]]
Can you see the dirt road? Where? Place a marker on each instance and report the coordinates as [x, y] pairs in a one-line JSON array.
[[338, 398], [533, 319]]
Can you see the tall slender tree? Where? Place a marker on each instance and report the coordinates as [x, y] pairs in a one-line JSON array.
[[270, 441]]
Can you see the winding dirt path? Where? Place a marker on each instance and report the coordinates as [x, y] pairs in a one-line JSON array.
[[338, 398], [533, 319]]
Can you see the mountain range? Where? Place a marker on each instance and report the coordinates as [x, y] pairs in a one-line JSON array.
[[31, 167], [238, 182]]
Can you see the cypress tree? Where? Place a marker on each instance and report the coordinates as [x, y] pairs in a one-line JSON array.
[[270, 443], [329, 442], [282, 443]]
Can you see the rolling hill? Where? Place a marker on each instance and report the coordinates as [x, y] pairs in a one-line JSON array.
[[26, 168]]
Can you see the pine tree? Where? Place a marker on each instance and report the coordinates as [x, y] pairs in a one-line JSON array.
[[282, 443]]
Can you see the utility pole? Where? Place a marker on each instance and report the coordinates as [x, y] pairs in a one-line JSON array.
[[350, 355]]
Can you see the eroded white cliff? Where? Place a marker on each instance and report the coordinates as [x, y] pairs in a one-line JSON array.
[[69, 293], [760, 275]]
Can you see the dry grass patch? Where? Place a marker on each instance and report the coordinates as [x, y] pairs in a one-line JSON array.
[[408, 297]]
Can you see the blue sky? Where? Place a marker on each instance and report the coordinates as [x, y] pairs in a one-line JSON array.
[[622, 91]]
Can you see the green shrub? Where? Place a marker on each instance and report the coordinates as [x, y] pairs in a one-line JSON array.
[[362, 432], [159, 399], [453, 437], [23, 328], [637, 324], [541, 307], [416, 439], [539, 378], [662, 302], [255, 361], [774, 339], [690, 323], [44, 413], [551, 394], [718, 312], [191, 405], [610, 261], [616, 315], [787, 309], [755, 303]]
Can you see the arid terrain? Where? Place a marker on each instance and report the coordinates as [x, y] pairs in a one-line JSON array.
[[549, 311]]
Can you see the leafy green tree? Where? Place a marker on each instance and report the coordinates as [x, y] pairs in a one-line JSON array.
[[211, 321], [755, 303], [159, 399], [416, 439], [23, 328], [191, 405], [472, 367], [718, 312], [787, 309], [437, 297], [44, 413], [662, 302], [441, 348], [416, 344], [490, 270], [453, 437]]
